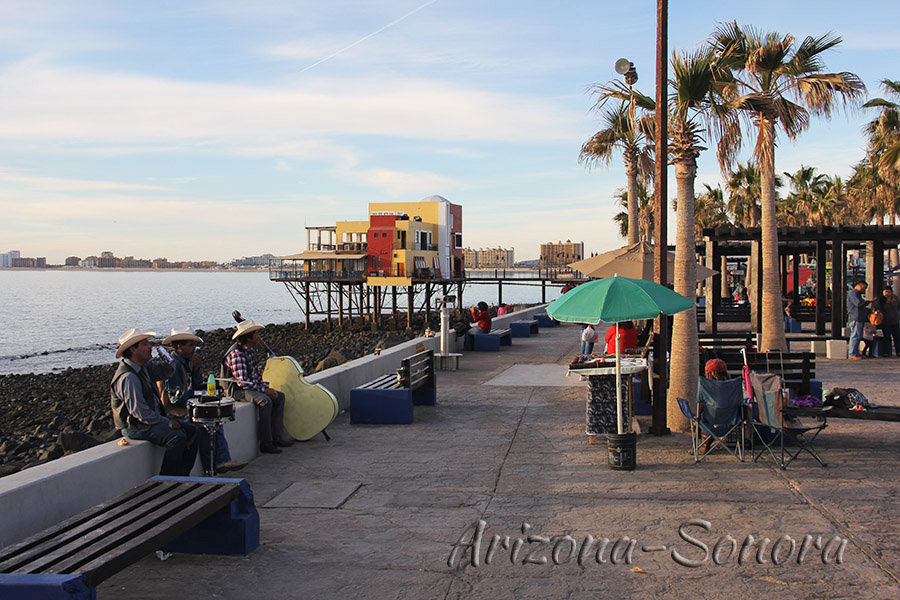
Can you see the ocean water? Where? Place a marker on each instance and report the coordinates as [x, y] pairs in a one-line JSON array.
[[55, 319]]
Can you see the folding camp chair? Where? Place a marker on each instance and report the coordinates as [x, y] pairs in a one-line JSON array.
[[771, 426], [719, 415]]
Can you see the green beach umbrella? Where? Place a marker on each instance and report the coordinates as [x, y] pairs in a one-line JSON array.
[[616, 299]]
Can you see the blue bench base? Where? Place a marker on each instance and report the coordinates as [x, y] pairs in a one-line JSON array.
[[491, 342], [524, 328], [375, 406], [233, 530], [545, 321]]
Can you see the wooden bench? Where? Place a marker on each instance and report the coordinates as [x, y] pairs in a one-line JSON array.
[[176, 514], [389, 399], [727, 339], [799, 370], [491, 342], [525, 328]]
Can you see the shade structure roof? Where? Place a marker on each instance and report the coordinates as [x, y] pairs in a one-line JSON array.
[[634, 261]]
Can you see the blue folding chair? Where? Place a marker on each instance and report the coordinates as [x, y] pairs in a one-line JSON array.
[[719, 415]]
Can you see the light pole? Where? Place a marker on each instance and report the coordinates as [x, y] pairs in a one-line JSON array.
[[626, 68]]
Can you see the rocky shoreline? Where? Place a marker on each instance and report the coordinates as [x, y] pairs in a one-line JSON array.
[[50, 415]]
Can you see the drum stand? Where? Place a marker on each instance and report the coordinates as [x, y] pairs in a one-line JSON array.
[[212, 428]]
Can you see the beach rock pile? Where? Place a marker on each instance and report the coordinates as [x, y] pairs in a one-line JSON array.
[[50, 415]]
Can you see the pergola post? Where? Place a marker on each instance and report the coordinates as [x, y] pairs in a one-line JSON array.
[[821, 292], [713, 296], [838, 268]]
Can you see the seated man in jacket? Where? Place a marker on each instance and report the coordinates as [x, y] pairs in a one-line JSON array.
[[239, 364], [137, 409], [179, 388]]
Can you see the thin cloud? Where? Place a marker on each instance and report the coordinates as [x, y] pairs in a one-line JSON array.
[[60, 184]]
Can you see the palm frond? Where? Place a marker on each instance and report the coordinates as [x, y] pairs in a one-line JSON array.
[[807, 59], [823, 92]]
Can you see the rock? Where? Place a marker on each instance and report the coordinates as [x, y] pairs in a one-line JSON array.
[[10, 468], [52, 453], [76, 442], [22, 448], [111, 435]]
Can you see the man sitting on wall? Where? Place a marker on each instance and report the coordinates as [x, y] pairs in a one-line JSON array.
[[239, 365], [179, 388], [137, 409]]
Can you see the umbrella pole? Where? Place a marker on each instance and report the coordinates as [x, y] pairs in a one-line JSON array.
[[619, 380]]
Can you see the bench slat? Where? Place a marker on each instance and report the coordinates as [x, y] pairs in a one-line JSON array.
[[128, 549], [17, 551], [58, 552], [73, 529], [381, 382]]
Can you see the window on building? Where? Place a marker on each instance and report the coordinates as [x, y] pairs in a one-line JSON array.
[[458, 240]]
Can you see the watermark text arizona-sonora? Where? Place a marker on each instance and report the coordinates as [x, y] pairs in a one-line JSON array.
[[696, 547]]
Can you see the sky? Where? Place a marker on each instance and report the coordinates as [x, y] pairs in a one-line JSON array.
[[210, 130]]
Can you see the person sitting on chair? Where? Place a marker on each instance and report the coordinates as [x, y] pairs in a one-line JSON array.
[[179, 388], [239, 364], [716, 369], [137, 410]]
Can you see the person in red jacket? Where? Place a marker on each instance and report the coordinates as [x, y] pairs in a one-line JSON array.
[[629, 337], [481, 319]]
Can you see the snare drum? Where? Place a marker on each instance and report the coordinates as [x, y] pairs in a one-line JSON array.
[[215, 411]]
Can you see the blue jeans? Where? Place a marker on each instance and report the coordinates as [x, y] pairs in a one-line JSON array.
[[180, 445], [220, 447], [587, 347], [856, 331]]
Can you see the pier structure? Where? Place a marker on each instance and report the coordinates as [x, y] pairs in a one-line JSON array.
[[336, 293]]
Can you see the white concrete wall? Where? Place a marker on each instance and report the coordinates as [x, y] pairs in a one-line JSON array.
[[36, 498]]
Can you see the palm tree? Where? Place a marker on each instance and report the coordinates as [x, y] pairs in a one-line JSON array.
[[697, 108], [709, 210], [772, 66], [884, 132], [625, 132], [807, 192], [646, 211], [743, 195], [884, 150]]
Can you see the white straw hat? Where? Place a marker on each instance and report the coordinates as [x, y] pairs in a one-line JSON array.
[[182, 334], [247, 326], [130, 338]]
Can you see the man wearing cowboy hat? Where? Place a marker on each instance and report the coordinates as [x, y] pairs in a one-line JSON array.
[[137, 409], [239, 364], [179, 388]]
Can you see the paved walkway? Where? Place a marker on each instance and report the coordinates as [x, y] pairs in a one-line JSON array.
[[506, 445]]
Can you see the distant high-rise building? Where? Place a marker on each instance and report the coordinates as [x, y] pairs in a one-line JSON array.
[[489, 258], [73, 261], [560, 254]]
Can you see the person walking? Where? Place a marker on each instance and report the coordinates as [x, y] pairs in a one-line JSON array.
[[857, 316], [889, 305], [590, 335]]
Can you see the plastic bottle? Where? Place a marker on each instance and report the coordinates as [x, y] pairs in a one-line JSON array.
[[211, 385]]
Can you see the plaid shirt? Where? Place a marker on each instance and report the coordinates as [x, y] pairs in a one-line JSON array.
[[243, 367]]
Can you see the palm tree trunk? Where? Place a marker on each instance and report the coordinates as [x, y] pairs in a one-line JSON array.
[[724, 270], [685, 349], [631, 172], [773, 312]]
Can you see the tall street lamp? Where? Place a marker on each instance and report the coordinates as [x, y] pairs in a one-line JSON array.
[[626, 68]]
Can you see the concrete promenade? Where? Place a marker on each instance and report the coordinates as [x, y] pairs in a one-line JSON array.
[[375, 513]]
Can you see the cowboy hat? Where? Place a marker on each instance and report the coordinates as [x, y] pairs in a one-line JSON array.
[[182, 334], [245, 327], [130, 338]]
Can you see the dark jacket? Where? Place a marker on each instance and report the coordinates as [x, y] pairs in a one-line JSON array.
[[857, 308]]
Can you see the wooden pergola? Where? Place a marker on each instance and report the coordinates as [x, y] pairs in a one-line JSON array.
[[792, 242]]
